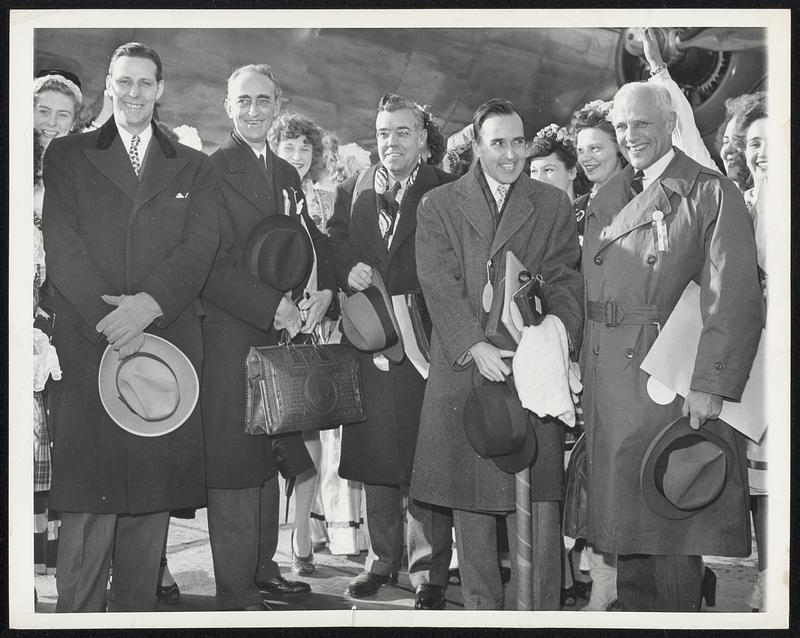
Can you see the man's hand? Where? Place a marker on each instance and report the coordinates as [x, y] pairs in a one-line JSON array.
[[287, 317], [132, 315], [313, 308], [360, 276], [133, 346], [701, 406], [651, 49], [489, 360]]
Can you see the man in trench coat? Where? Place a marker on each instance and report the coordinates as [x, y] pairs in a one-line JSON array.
[[142, 241], [709, 241], [379, 452], [242, 469], [459, 232]]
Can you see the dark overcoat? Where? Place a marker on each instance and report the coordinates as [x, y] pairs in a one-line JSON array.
[[380, 450], [711, 242], [107, 232], [240, 311], [456, 237]]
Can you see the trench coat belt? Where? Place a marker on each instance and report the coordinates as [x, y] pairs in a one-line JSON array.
[[614, 314]]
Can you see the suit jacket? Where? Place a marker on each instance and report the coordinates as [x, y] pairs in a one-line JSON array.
[[456, 237], [107, 232], [711, 242], [381, 449], [240, 313]]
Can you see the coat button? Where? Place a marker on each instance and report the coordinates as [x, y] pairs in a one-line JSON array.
[[598, 260], [596, 349], [651, 259], [719, 365], [629, 353]]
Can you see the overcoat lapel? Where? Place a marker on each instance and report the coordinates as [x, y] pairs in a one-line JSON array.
[[113, 162], [247, 177], [364, 204], [473, 205], [407, 224], [518, 209], [157, 172]]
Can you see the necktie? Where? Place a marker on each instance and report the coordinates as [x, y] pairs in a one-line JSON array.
[[502, 191], [133, 153], [262, 161], [388, 213], [636, 182]]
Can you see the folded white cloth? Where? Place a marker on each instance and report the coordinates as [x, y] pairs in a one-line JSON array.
[[543, 372], [45, 360]]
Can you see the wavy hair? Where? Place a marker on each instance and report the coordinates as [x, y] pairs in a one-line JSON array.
[[291, 126]]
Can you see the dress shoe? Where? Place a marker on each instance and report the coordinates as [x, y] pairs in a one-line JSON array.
[[171, 594], [279, 586], [367, 583], [429, 597], [708, 587], [302, 565]]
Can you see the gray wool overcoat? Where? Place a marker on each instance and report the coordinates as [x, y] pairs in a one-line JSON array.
[[456, 237]]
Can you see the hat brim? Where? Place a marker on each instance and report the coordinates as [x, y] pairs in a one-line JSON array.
[[395, 352], [128, 420], [525, 457], [288, 246], [679, 428]]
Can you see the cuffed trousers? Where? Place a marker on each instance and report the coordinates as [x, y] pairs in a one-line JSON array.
[[659, 583]]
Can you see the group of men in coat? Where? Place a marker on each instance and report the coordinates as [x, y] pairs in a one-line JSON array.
[[124, 250]]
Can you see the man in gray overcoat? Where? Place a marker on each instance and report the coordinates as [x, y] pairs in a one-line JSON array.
[[463, 230], [372, 229], [643, 243], [130, 228]]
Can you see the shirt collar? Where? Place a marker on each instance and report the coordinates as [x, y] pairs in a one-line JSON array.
[[257, 151], [144, 139], [655, 169]]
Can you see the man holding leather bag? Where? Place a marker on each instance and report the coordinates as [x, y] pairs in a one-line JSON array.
[[255, 189]]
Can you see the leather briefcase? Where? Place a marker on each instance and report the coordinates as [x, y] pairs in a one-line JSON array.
[[302, 387]]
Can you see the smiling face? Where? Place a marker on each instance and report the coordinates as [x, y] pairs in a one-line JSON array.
[[501, 147], [53, 115], [400, 141], [551, 169], [644, 131], [252, 105], [598, 155], [298, 151], [755, 149], [732, 144], [134, 90]]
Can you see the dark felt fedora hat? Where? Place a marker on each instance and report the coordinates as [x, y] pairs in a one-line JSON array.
[[369, 322], [684, 471], [498, 427], [279, 253], [150, 393]]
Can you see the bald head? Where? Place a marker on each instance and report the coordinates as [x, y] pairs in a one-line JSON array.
[[643, 120]]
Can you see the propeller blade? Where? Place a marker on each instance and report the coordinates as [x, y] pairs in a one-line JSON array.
[[726, 39]]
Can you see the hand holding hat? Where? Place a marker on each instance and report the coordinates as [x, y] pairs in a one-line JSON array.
[[360, 276], [489, 360], [700, 407], [132, 315]]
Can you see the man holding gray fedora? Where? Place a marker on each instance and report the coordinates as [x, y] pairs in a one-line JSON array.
[[372, 238], [265, 259], [130, 228]]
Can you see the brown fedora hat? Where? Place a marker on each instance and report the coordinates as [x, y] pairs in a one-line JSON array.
[[369, 322], [685, 470], [279, 253], [498, 427], [150, 393]]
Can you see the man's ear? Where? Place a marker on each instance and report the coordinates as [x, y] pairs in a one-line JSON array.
[[160, 89], [227, 105], [672, 121]]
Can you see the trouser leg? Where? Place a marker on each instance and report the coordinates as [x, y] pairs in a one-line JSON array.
[[385, 522], [476, 538], [429, 543], [233, 518], [269, 525], [137, 555], [636, 589], [678, 581], [603, 570], [84, 558], [546, 556]]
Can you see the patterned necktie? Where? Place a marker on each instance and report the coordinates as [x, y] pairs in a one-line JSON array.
[[133, 153], [502, 192], [388, 213], [636, 182]]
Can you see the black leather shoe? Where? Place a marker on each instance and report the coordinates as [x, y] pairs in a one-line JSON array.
[[279, 586], [429, 597], [366, 584]]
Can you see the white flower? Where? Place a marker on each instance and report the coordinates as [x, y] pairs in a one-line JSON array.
[[188, 136]]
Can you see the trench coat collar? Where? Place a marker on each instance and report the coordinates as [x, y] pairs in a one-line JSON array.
[[247, 177], [679, 177], [161, 163], [517, 209]]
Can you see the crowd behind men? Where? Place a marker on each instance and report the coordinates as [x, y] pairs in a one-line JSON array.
[[145, 237]]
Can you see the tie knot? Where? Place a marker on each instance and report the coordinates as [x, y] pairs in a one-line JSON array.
[[636, 182], [502, 191], [135, 142]]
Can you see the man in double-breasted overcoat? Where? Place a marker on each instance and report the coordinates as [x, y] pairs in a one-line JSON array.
[[633, 281], [368, 232], [144, 243], [243, 498], [461, 235]]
